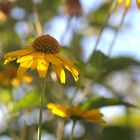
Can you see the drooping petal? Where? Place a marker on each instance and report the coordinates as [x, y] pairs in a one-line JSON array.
[[60, 73], [42, 65], [74, 71], [16, 54], [53, 60], [23, 67], [70, 67], [25, 58], [35, 60], [42, 68]]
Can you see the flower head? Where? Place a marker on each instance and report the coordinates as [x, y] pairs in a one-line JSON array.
[[8, 77], [5, 7], [128, 3], [43, 51], [76, 113], [73, 7]]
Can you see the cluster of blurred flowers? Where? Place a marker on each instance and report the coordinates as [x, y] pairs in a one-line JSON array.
[[8, 76]]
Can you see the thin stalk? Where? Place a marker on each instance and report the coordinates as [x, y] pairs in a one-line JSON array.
[[60, 131], [66, 30], [112, 9], [72, 131], [37, 20], [41, 108], [86, 91], [116, 32]]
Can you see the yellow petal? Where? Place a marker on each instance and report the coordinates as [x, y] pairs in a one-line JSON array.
[[35, 60], [60, 73], [74, 71], [42, 68], [16, 54], [127, 4], [70, 67], [23, 67], [53, 59], [24, 58], [58, 110], [91, 113]]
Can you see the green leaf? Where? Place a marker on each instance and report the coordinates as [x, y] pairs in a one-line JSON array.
[[100, 65], [117, 132], [30, 100], [97, 63], [98, 102], [120, 63], [97, 17]]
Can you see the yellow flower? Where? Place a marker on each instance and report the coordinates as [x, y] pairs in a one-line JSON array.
[[43, 51], [8, 76], [75, 112], [128, 3]]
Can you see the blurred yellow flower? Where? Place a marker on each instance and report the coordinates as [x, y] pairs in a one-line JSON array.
[[8, 77], [2, 17], [128, 3], [5, 7], [43, 51], [76, 113]]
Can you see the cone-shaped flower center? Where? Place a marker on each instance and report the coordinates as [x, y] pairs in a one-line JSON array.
[[46, 44]]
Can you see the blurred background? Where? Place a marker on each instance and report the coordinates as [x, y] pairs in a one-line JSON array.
[[109, 75]]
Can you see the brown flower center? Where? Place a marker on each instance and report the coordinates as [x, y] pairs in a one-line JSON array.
[[46, 44]]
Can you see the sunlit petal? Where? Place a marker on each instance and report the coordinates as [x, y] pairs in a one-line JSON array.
[[60, 73], [70, 67], [53, 60], [22, 68], [58, 110], [42, 68], [16, 54]]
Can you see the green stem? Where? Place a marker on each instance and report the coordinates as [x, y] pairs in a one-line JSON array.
[[112, 9], [37, 20], [72, 131], [41, 108], [116, 32], [66, 30]]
